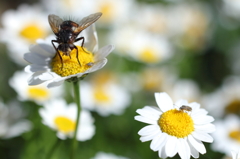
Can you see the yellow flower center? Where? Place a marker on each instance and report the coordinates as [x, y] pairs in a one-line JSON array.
[[176, 123], [235, 134], [69, 65], [38, 93], [233, 107], [32, 32], [100, 95], [64, 124], [148, 55]]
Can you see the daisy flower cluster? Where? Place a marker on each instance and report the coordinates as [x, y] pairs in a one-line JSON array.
[[80, 98]]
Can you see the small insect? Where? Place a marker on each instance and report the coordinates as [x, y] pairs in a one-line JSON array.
[[186, 108], [67, 33]]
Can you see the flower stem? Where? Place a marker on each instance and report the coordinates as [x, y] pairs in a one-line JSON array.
[[76, 88]]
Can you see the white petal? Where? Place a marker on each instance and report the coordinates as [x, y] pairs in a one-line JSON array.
[[157, 140], [203, 120], [32, 68], [181, 102], [103, 52], [162, 141], [208, 128], [92, 39], [147, 130], [194, 105], [164, 102], [153, 109], [183, 149], [97, 65], [61, 136], [198, 112], [36, 58], [202, 136], [198, 145], [145, 120], [149, 137], [193, 151], [150, 114], [234, 155], [171, 146], [39, 77], [55, 84]]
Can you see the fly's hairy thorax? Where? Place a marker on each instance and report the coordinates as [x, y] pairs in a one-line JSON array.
[[66, 33]]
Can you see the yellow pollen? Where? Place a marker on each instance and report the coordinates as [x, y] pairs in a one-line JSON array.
[[176, 123], [64, 124], [100, 95], [32, 32], [148, 55], [233, 107], [235, 134], [38, 93], [69, 64]]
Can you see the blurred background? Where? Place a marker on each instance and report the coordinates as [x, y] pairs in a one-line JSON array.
[[187, 48]]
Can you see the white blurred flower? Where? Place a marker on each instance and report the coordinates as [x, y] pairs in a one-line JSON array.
[[105, 96], [21, 28], [235, 154], [39, 93], [226, 138], [153, 18], [69, 8], [185, 89], [114, 12], [231, 7], [102, 155], [46, 67], [185, 27], [173, 130], [61, 117], [142, 46], [225, 100], [12, 123], [156, 79]]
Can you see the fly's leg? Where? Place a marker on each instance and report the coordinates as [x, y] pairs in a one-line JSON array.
[[57, 52], [81, 38], [77, 55]]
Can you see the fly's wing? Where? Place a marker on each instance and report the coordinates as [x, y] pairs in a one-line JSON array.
[[87, 21], [54, 22]]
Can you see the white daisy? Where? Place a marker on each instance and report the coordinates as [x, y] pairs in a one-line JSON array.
[[67, 8], [235, 154], [61, 117], [226, 138], [185, 89], [186, 29], [46, 67], [226, 99], [146, 16], [21, 28], [231, 8], [12, 122], [161, 81], [173, 130], [39, 93], [103, 155], [114, 12], [104, 95], [141, 45]]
